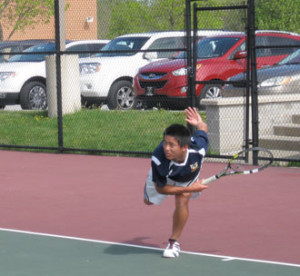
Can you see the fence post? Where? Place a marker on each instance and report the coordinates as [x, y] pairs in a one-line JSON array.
[[254, 97], [189, 50], [60, 46]]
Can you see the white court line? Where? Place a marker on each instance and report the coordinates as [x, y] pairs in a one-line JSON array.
[[222, 257]]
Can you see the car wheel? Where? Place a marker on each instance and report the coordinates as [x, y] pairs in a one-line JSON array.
[[121, 96], [33, 96], [210, 91]]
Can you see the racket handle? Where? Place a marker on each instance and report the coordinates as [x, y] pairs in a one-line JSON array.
[[208, 180]]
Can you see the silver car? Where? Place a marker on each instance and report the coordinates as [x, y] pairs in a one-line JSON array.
[[282, 78]]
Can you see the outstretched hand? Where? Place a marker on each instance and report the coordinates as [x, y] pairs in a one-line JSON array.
[[194, 118], [197, 186]]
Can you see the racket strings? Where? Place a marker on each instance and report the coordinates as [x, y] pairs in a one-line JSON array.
[[261, 158], [239, 167], [239, 163], [251, 160]]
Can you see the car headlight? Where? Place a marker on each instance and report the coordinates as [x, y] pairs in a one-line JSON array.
[[183, 71], [275, 81], [180, 72], [6, 75], [89, 68]]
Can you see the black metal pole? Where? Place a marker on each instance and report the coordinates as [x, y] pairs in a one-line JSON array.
[[254, 96], [194, 56], [188, 55], [58, 74], [189, 51], [248, 68]]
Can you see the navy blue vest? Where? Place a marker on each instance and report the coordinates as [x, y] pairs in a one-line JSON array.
[[162, 168]]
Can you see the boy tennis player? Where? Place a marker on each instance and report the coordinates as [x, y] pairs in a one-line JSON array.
[[175, 169]]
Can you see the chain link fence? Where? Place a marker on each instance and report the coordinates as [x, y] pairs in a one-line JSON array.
[[125, 92]]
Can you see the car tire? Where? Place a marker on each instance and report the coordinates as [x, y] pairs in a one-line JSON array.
[[33, 96], [121, 96], [209, 91]]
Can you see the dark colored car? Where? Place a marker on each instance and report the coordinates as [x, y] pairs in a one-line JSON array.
[[281, 78], [219, 57], [17, 46]]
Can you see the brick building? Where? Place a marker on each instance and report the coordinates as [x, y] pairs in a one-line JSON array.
[[80, 23]]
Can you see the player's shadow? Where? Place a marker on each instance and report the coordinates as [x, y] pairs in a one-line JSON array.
[[135, 246]]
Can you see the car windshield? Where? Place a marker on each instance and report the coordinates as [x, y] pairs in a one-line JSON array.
[[293, 58], [212, 47], [119, 46], [47, 47]]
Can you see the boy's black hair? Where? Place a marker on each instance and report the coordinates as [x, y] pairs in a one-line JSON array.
[[180, 133]]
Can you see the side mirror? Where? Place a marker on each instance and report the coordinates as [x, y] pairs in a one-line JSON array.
[[240, 55], [151, 55]]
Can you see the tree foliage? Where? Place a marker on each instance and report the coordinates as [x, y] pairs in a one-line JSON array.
[[20, 14], [167, 14], [278, 15], [129, 16]]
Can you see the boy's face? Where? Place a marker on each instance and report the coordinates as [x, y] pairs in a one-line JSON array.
[[172, 149]]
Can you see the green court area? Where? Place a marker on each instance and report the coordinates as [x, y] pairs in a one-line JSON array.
[[36, 254]]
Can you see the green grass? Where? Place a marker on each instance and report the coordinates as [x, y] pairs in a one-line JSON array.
[[94, 129], [89, 129], [27, 128]]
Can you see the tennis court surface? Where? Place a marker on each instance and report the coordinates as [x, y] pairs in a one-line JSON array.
[[84, 215]]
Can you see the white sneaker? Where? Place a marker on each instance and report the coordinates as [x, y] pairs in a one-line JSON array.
[[172, 250]]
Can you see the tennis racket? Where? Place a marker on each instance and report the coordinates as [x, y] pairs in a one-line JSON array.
[[236, 165]]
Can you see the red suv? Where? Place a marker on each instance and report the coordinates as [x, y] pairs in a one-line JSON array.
[[164, 82]]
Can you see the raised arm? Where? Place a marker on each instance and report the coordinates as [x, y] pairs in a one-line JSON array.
[[194, 119]]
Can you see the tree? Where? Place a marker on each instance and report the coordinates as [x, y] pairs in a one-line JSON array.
[[20, 14], [235, 20], [104, 17], [278, 15], [167, 14], [128, 16]]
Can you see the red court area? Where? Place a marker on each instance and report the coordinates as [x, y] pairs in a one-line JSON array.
[[97, 197]]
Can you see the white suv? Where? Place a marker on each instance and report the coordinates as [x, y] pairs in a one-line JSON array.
[[108, 77], [23, 78]]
